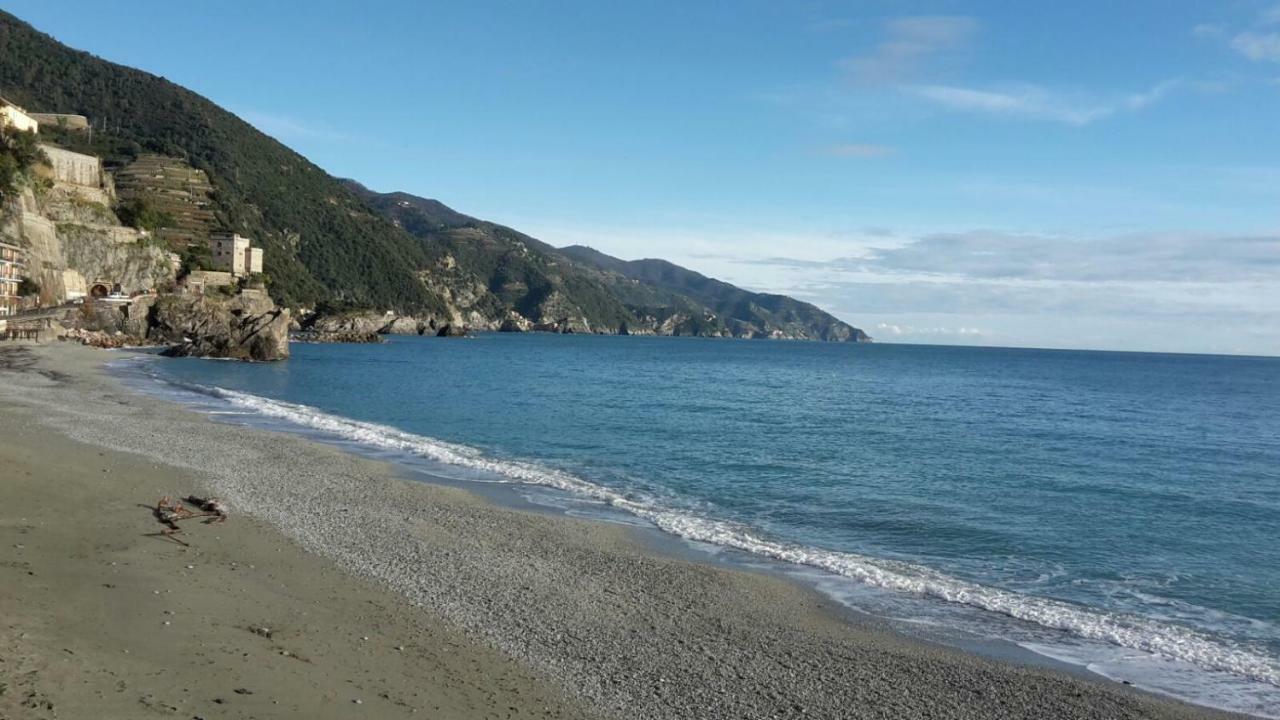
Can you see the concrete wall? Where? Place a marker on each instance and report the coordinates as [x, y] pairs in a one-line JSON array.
[[73, 285], [201, 279], [253, 260], [74, 168]]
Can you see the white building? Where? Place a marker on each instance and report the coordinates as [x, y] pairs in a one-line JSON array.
[[233, 253], [15, 117]]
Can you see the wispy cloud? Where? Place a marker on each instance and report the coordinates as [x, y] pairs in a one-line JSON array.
[[906, 331], [1030, 101], [909, 56], [1209, 30], [1256, 40], [1257, 45], [857, 150], [1150, 257], [909, 42]]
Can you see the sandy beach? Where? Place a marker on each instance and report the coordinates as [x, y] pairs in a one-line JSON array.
[[342, 588]]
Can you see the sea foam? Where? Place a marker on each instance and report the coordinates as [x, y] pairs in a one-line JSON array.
[[1124, 630]]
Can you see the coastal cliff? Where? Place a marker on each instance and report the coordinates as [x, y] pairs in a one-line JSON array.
[[73, 240]]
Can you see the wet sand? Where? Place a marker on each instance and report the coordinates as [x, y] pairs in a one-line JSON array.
[[413, 599]]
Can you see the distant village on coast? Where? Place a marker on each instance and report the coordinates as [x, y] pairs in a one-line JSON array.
[[87, 250]]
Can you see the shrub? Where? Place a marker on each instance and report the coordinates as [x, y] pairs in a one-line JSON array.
[[140, 214], [19, 153]]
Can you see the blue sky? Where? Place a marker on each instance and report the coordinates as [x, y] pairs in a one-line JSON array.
[[1088, 174]]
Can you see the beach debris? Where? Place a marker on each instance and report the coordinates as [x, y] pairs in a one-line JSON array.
[[170, 512]]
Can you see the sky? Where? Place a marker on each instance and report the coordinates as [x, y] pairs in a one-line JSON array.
[[1087, 175]]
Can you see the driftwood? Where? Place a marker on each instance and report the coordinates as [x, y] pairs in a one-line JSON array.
[[170, 512]]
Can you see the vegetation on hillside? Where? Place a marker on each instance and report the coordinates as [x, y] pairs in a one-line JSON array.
[[140, 214], [335, 246], [320, 241], [523, 272], [19, 153]]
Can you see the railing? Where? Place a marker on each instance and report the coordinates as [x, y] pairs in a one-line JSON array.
[[20, 333]]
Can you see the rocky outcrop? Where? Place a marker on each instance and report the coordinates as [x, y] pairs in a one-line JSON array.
[[340, 336], [452, 331], [354, 322], [369, 322], [243, 326], [515, 322]]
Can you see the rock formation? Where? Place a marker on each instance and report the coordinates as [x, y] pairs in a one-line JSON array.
[[243, 326]]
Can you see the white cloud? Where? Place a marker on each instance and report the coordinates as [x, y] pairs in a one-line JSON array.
[[1209, 30], [1030, 101], [1257, 46], [1149, 257], [1258, 41], [895, 330], [1155, 291], [908, 43]]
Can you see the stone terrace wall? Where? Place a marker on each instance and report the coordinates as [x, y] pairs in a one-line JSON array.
[[74, 168], [172, 186]]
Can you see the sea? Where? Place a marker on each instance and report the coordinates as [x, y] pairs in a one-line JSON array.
[[1114, 513]]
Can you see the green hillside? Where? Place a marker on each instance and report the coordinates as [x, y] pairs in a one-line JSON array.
[[321, 243], [334, 244], [608, 293]]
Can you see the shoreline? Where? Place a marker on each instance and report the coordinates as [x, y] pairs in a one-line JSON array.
[[577, 605]]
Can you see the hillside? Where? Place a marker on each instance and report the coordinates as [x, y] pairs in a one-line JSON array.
[[334, 244], [792, 317], [546, 284], [321, 243]]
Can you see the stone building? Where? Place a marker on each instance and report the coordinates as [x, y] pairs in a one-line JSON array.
[[12, 265], [234, 254]]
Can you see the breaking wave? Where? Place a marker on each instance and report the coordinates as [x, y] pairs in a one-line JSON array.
[[1135, 632]]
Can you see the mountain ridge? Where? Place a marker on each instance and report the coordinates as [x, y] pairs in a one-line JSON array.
[[656, 296]]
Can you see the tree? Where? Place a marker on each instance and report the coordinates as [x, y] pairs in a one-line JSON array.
[[140, 214]]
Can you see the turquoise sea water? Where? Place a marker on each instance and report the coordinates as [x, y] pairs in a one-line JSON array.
[[1120, 511]]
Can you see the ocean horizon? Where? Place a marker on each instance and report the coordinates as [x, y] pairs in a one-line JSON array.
[[1113, 511]]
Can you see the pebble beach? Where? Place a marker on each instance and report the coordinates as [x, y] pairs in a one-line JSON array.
[[340, 587]]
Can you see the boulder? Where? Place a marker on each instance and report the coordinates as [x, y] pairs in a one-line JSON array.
[[452, 330]]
